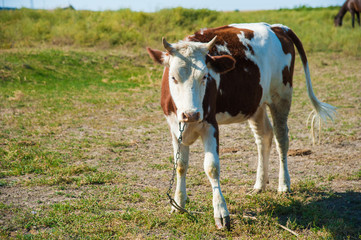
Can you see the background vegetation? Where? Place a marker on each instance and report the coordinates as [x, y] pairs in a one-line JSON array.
[[135, 30], [84, 148]]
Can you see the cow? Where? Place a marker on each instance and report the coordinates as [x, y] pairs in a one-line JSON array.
[[228, 75]]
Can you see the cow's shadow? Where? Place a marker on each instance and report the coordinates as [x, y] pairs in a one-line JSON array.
[[337, 213]]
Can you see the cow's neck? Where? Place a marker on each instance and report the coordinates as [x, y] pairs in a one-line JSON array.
[[342, 11]]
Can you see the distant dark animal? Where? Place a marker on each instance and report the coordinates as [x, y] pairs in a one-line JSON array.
[[354, 7]]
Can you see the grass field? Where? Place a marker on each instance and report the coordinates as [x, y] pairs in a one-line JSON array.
[[85, 151]]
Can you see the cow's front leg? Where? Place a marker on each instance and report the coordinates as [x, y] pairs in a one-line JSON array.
[[212, 169], [182, 165]]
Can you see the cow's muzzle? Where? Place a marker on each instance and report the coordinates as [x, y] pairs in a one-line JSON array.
[[190, 117]]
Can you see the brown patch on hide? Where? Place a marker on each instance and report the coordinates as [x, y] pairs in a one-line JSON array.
[[209, 106], [288, 48], [181, 169], [166, 100], [216, 135], [239, 89], [287, 76], [225, 34], [297, 42]]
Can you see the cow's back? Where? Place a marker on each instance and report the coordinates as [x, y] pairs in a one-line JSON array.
[[261, 52]]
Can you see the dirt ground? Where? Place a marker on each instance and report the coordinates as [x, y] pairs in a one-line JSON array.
[[145, 161], [330, 164]]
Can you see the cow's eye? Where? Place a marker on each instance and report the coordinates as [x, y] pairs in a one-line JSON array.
[[204, 79], [174, 80]]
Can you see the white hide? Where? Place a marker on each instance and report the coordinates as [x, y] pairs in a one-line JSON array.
[[226, 118], [268, 55], [223, 49], [212, 169], [270, 58], [189, 92], [211, 162]]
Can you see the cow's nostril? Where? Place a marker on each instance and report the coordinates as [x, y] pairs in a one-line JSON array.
[[190, 116], [184, 116]]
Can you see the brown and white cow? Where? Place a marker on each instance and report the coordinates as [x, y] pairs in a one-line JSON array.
[[226, 75]]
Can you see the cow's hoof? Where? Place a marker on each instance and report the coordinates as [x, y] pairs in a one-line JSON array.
[[284, 189], [174, 210], [224, 222], [255, 191]]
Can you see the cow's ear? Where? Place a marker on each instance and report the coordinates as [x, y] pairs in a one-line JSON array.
[[157, 56], [220, 64]]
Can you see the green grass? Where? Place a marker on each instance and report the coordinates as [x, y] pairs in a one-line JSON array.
[[85, 151], [102, 214], [135, 30]]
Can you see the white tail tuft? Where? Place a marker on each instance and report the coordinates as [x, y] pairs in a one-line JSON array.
[[321, 111]]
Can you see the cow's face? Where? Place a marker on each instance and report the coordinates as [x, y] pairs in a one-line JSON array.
[[190, 67]]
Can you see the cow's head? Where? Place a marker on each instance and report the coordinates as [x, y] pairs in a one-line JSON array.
[[190, 67]]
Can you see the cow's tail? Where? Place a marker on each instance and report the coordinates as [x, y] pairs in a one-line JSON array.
[[321, 110]]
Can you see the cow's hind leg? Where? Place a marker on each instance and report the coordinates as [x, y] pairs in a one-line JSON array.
[[182, 166], [279, 110], [262, 130]]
